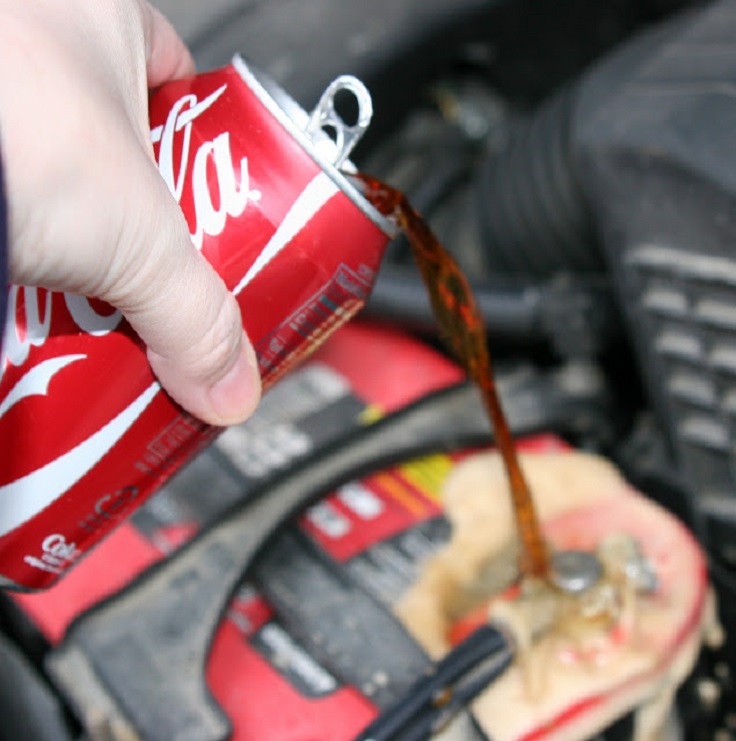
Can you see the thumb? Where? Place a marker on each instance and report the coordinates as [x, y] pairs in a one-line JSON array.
[[181, 309], [193, 328]]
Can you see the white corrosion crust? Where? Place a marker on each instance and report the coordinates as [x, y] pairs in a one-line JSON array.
[[567, 684]]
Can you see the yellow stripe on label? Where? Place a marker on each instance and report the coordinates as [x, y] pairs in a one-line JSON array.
[[428, 474], [396, 489], [372, 413]]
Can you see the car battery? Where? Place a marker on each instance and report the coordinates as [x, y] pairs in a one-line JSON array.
[[307, 648], [361, 374]]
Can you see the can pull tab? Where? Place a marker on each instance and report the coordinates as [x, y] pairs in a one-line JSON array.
[[325, 118]]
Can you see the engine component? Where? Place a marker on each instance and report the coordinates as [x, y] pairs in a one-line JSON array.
[[532, 213], [653, 133]]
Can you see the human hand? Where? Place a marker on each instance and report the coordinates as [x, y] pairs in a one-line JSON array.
[[88, 210]]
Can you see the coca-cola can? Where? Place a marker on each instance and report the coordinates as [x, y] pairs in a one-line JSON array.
[[86, 431]]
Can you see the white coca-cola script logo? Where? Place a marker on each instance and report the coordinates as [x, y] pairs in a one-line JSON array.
[[37, 306], [234, 192], [56, 554], [23, 498]]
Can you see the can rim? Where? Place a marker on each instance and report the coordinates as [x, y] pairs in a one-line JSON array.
[[295, 119]]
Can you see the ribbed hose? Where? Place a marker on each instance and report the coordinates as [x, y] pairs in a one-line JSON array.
[[532, 214]]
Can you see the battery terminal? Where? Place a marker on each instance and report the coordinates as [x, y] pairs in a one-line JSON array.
[[588, 604]]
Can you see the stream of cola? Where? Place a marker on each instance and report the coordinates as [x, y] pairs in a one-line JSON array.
[[461, 325]]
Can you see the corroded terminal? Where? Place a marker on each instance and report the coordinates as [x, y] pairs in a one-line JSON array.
[[624, 555], [614, 629], [574, 571]]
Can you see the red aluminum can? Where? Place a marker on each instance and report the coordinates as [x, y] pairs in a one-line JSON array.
[[86, 432]]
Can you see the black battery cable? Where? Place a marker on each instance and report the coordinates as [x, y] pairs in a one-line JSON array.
[[470, 668]]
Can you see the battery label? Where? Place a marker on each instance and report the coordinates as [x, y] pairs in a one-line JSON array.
[[271, 680], [281, 650], [308, 409]]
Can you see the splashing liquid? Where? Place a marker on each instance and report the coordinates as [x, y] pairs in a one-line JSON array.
[[461, 325]]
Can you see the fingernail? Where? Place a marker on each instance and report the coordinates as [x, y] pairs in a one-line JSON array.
[[236, 395]]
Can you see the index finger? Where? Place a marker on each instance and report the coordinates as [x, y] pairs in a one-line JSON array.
[[167, 56]]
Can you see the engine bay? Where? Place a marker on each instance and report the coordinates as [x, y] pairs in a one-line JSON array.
[[308, 572]]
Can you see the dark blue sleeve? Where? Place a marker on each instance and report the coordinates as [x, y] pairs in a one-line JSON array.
[[3, 250]]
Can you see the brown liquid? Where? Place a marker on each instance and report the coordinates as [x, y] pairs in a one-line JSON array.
[[461, 324]]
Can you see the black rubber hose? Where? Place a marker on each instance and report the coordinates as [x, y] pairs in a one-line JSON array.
[[532, 214], [575, 316], [509, 312], [534, 224]]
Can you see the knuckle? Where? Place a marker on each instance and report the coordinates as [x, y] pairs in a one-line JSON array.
[[219, 346]]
